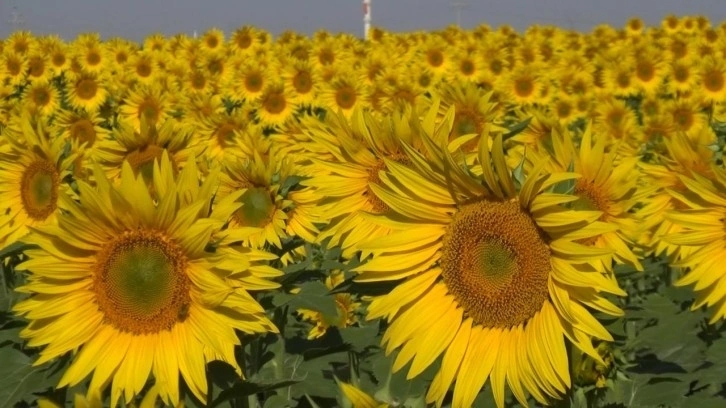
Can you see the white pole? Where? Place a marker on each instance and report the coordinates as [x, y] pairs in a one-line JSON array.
[[366, 18]]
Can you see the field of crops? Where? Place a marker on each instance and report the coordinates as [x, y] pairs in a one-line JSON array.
[[454, 218]]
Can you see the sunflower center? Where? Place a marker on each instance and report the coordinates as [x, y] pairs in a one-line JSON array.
[[680, 74], [435, 58], [496, 263], [253, 82], [563, 109], [523, 87], [714, 81], [13, 67], [59, 59], [345, 97], [83, 131], [274, 103], [623, 80], [37, 67], [39, 189], [93, 58], [302, 82], [121, 57], [143, 69], [257, 207], [467, 67], [141, 283], [41, 96], [198, 81], [86, 89], [645, 71], [683, 119]]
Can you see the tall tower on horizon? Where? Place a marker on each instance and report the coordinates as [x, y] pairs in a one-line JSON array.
[[366, 18]]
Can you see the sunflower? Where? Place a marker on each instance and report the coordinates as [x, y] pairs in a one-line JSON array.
[[343, 93], [140, 148], [701, 223], [472, 106], [213, 40], [275, 105], [142, 67], [301, 80], [250, 80], [89, 53], [139, 291], [493, 278], [149, 102], [649, 71], [41, 97], [222, 132], [522, 85], [243, 40], [686, 114], [21, 42], [681, 77], [14, 67], [433, 55], [83, 130], [602, 186], [32, 170], [259, 178], [684, 154], [713, 79], [58, 57], [39, 69], [618, 78], [86, 91]]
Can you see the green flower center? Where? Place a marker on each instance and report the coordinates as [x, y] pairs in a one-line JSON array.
[[257, 207], [39, 189], [141, 283]]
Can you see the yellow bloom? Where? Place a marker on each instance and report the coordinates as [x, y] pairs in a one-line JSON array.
[[493, 278], [124, 282]]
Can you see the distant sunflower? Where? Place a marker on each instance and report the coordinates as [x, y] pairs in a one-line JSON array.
[[42, 97], [140, 148], [126, 285], [275, 105], [142, 67], [149, 102], [344, 94], [86, 91], [32, 169], [522, 85], [223, 131], [84, 131], [713, 79], [250, 80], [493, 278], [300, 78], [212, 40], [14, 67]]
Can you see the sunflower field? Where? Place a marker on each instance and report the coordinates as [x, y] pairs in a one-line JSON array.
[[454, 218]]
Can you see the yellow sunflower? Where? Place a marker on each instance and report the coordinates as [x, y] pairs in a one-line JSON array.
[[343, 93], [140, 148], [494, 278], [32, 173], [602, 186], [125, 283], [713, 79], [14, 67], [222, 132], [701, 223], [149, 102], [41, 97], [86, 91], [275, 105]]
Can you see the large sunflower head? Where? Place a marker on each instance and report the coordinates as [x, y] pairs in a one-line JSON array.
[[492, 275], [32, 173], [135, 290]]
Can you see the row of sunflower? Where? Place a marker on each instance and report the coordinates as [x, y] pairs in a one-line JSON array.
[[293, 222]]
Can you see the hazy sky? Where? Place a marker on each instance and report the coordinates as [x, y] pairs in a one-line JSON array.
[[134, 19]]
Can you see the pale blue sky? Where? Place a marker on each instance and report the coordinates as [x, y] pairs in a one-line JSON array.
[[135, 19]]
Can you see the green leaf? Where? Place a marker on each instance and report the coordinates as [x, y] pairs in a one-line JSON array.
[[20, 380], [517, 129], [247, 388]]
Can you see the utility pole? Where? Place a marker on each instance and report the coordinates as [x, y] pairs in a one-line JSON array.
[[366, 18], [459, 6]]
